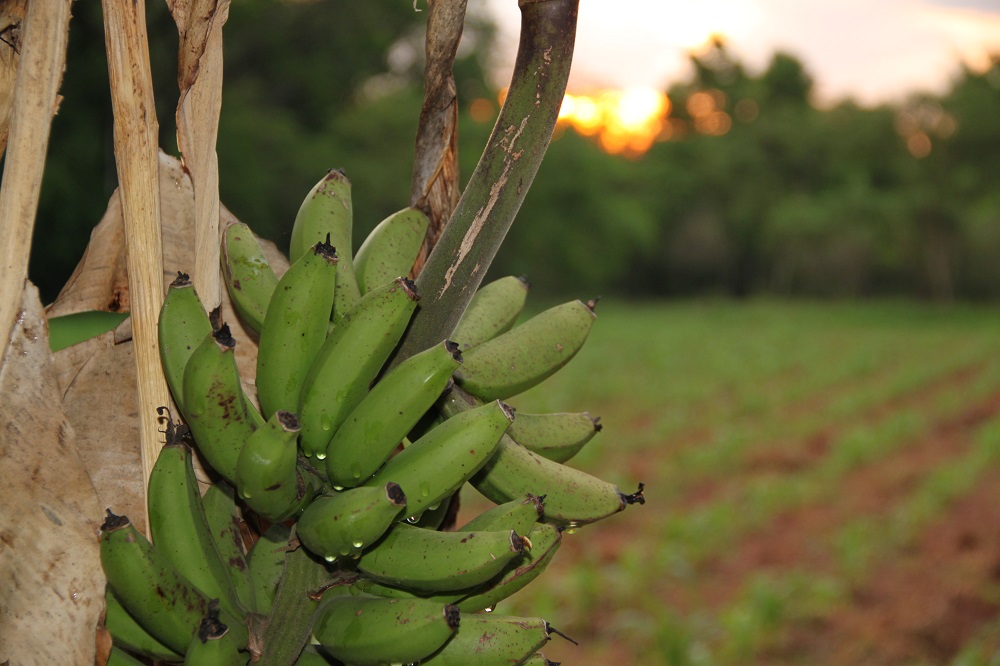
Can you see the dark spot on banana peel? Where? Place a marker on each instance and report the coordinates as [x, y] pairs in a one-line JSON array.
[[276, 486], [452, 616]]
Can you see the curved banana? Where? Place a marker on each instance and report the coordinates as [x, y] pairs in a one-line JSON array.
[[68, 330], [490, 639], [151, 589], [295, 327], [432, 468], [493, 310], [327, 212], [224, 522], [344, 523], [181, 327], [525, 355], [214, 645], [431, 561], [390, 249], [373, 429], [572, 497], [220, 415], [179, 526], [519, 515], [266, 563], [545, 541], [129, 635], [247, 273], [367, 630], [350, 360], [266, 473], [557, 436]]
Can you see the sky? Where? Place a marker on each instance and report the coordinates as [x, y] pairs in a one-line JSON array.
[[873, 51]]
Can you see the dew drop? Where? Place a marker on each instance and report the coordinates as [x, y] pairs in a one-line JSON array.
[[489, 609], [356, 472], [325, 423], [425, 489], [320, 455], [434, 507], [358, 544], [329, 558], [345, 551]]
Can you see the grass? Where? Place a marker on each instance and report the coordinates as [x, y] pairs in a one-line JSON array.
[[715, 405]]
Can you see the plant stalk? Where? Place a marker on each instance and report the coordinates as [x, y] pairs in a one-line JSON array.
[[497, 187]]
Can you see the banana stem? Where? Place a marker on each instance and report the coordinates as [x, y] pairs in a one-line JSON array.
[[290, 622], [498, 185]]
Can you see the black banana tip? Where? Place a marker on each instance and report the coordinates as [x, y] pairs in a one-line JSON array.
[[453, 349], [113, 522], [395, 494], [410, 287], [452, 615], [211, 627], [224, 336], [597, 423], [549, 629], [182, 280], [326, 250], [288, 420], [637, 497]]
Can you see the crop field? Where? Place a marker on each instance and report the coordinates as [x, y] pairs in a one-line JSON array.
[[822, 483]]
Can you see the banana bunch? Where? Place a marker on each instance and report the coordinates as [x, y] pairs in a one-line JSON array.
[[352, 461]]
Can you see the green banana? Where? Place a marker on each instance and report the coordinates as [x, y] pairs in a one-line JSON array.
[[266, 473], [557, 436], [350, 360], [390, 249], [295, 327], [374, 428], [527, 354], [68, 330], [248, 275], [119, 657], [431, 561], [493, 310], [151, 589], [219, 413], [265, 563], [129, 635], [181, 327], [179, 526], [367, 630], [432, 468], [327, 212], [214, 645], [572, 497], [224, 522], [343, 524], [311, 656], [519, 515], [490, 639], [545, 541]]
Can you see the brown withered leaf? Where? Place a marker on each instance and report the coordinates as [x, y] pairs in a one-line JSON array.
[[51, 584], [97, 377]]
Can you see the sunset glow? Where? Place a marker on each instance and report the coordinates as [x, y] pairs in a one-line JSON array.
[[623, 121]]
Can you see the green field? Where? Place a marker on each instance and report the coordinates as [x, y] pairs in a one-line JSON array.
[[823, 486]]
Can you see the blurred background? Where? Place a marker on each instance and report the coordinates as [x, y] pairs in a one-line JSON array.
[[792, 211]]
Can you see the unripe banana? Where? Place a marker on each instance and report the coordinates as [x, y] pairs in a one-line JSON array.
[[430, 561], [118, 657], [343, 524], [128, 634], [181, 327], [295, 327], [350, 360], [224, 522], [374, 429], [219, 413], [368, 631], [525, 355], [248, 275], [327, 210], [214, 645], [266, 474], [572, 497], [179, 526], [493, 310], [557, 436], [265, 563], [432, 468], [519, 515], [311, 656], [390, 249], [490, 639], [545, 541], [71, 329], [151, 589]]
